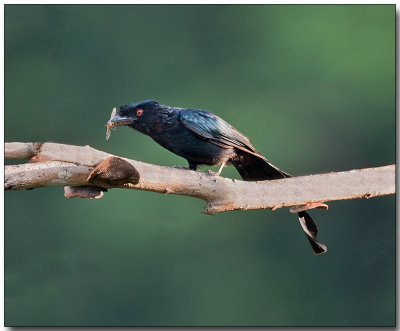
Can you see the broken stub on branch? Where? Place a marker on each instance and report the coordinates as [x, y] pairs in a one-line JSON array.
[[311, 205], [87, 192], [113, 171]]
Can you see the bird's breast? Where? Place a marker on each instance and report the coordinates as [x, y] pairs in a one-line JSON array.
[[183, 142]]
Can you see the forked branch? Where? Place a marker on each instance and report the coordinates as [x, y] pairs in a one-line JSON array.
[[91, 170]]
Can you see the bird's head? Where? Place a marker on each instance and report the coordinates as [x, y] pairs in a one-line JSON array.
[[138, 115]]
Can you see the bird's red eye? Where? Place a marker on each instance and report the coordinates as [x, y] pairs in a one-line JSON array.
[[139, 112]]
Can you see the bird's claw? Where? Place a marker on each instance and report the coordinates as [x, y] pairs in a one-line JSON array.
[[212, 173]]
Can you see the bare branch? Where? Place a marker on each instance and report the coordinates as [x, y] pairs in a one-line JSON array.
[[52, 173], [66, 165], [22, 151]]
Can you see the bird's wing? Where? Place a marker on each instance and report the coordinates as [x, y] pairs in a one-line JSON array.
[[211, 127], [214, 129]]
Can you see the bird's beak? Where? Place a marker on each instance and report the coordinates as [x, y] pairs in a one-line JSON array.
[[118, 120]]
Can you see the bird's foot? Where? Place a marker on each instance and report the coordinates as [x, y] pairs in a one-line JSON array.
[[218, 172], [213, 173]]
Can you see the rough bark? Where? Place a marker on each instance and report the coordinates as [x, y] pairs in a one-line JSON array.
[[66, 165]]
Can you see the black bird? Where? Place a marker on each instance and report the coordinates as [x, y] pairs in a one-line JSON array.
[[203, 138]]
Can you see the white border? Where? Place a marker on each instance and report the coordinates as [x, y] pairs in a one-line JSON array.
[[135, 2]]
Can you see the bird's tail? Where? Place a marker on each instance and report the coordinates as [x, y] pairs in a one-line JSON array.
[[252, 168], [311, 231]]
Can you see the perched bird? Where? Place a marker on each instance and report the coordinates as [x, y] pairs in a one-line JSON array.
[[203, 138]]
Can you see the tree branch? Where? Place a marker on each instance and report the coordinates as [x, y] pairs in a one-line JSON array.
[[66, 165]]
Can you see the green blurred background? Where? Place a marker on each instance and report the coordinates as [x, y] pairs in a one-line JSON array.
[[314, 89]]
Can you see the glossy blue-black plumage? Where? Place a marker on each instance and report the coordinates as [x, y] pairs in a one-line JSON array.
[[210, 126], [202, 137]]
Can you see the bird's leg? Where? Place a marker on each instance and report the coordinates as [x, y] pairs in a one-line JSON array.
[[218, 172], [193, 166]]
